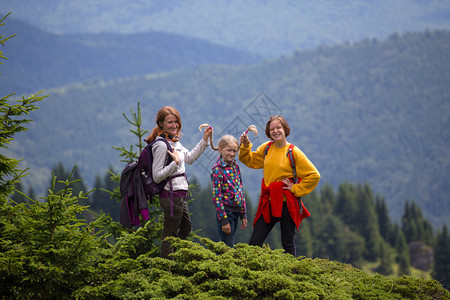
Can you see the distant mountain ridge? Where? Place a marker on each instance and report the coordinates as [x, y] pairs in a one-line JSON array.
[[267, 27], [41, 60], [373, 111]]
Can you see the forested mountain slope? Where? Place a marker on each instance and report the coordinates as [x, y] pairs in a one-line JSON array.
[[373, 111], [40, 60]]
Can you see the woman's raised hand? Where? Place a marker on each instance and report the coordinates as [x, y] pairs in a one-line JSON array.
[[244, 139]]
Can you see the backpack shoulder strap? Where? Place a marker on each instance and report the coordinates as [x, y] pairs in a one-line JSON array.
[[162, 140], [168, 158], [290, 155], [266, 149]]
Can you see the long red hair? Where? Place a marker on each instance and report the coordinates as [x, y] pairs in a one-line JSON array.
[[160, 117]]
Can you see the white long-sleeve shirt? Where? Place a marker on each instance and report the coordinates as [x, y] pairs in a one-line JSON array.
[[161, 172]]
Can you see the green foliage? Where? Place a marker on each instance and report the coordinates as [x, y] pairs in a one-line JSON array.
[[385, 267], [215, 271], [11, 124], [441, 270], [404, 264], [101, 197], [12, 121], [45, 249], [415, 226], [136, 121]]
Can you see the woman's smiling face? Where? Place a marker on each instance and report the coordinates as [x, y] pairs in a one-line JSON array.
[[277, 131], [170, 125]]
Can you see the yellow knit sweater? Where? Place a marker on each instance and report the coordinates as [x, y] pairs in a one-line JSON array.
[[276, 166]]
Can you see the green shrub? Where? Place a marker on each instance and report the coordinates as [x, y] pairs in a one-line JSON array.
[[208, 270]]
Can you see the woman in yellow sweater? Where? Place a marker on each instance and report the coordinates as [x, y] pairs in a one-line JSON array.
[[279, 200]]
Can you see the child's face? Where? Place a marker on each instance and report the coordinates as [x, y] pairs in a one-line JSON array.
[[229, 152]]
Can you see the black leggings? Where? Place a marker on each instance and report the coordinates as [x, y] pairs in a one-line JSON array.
[[287, 226]]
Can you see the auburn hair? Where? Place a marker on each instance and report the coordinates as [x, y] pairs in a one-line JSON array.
[[284, 123], [160, 117]]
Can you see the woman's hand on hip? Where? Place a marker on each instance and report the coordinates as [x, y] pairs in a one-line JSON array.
[[288, 184]]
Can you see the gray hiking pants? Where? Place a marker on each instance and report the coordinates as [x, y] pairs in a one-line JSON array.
[[178, 225]]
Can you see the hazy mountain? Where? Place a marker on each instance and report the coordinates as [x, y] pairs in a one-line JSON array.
[[373, 111], [268, 27], [40, 60]]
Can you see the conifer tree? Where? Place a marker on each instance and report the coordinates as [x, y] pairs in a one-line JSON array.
[[415, 226], [346, 206], [153, 227], [384, 222], [108, 180], [98, 197], [243, 236], [441, 270], [18, 197], [327, 199], [31, 193], [98, 184], [329, 242], [392, 235], [404, 264], [303, 240], [354, 247], [111, 201], [61, 174], [385, 266], [368, 222], [12, 122], [79, 185], [313, 203], [203, 212]]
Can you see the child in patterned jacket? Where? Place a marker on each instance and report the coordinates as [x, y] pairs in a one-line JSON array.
[[227, 192]]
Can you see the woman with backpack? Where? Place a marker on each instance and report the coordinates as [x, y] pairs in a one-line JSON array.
[[281, 190], [171, 165]]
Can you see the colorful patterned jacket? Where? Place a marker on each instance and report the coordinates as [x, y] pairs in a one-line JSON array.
[[227, 191]]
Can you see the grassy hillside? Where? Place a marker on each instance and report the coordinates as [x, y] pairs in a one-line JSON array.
[[374, 111]]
